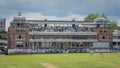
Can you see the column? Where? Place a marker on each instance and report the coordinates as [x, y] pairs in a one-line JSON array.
[[39, 44], [32, 45]]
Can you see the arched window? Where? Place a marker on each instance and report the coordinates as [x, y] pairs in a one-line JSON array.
[[19, 37], [81, 45], [33, 37], [18, 24], [103, 37], [98, 25], [77, 45], [73, 25], [26, 45]]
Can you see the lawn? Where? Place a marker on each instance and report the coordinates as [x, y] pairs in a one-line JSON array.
[[77, 60]]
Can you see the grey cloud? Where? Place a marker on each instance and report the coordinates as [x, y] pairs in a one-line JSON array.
[[60, 7]]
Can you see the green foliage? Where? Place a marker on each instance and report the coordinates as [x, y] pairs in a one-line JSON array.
[[2, 31], [114, 25], [92, 16], [3, 35], [2, 44]]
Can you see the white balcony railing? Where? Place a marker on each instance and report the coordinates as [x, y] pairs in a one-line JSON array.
[[20, 39], [19, 42], [63, 40], [62, 33], [104, 39], [116, 40]]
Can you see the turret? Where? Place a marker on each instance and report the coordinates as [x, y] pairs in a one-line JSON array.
[[18, 21]]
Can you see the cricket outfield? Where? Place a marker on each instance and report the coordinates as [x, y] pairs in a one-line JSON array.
[[75, 60]]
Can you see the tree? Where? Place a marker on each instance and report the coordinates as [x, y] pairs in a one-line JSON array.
[[114, 25], [3, 34], [3, 31], [91, 17]]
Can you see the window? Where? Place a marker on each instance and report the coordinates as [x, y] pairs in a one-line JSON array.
[[77, 45], [105, 31], [18, 24], [19, 46], [73, 25], [114, 37], [103, 37], [26, 45], [45, 25], [98, 25], [101, 31], [118, 43], [33, 37], [81, 45], [114, 43], [19, 37], [118, 37]]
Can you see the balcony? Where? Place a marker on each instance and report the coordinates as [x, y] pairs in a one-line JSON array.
[[20, 39], [63, 40], [104, 40], [116, 40], [19, 42], [62, 33]]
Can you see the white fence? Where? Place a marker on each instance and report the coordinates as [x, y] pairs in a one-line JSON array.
[[29, 50], [51, 50]]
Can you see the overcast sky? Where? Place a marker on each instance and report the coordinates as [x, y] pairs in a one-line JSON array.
[[59, 9]]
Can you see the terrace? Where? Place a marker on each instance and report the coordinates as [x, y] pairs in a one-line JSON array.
[[61, 30]]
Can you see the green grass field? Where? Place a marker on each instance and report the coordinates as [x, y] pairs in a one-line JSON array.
[[79, 60]]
